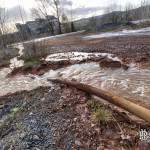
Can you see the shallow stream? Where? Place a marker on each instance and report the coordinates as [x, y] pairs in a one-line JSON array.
[[133, 83]]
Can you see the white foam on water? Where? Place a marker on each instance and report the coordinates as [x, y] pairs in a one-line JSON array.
[[79, 56], [133, 83]]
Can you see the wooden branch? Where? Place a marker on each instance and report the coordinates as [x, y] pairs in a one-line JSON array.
[[123, 103]]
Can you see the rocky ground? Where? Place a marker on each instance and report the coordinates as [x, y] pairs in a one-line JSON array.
[[60, 117]]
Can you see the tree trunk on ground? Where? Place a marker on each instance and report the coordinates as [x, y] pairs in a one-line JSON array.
[[127, 105]]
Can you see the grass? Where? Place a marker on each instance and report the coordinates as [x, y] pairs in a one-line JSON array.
[[32, 62], [14, 111], [100, 114]]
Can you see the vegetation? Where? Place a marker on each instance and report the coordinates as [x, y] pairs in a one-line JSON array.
[[100, 114], [14, 112], [31, 63]]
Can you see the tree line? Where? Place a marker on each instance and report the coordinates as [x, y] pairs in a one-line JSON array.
[[63, 11]]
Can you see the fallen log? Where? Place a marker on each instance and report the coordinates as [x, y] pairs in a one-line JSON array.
[[123, 103]]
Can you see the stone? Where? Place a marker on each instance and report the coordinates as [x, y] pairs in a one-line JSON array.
[[109, 63], [78, 143]]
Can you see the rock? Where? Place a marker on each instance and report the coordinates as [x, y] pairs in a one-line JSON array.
[[109, 63], [125, 67], [35, 137], [78, 143]]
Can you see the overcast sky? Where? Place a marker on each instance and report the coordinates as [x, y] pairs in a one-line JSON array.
[[82, 8], [77, 3]]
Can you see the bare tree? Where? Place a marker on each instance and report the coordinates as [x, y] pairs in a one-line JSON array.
[[59, 7], [65, 23], [114, 13], [145, 9], [71, 17], [56, 6], [128, 14], [42, 11], [44, 7], [3, 25], [36, 13]]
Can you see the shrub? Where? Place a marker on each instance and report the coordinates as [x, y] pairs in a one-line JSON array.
[[102, 116]]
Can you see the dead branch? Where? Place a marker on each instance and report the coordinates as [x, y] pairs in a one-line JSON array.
[[123, 103]]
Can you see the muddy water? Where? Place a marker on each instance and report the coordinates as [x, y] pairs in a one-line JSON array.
[[133, 83], [19, 82]]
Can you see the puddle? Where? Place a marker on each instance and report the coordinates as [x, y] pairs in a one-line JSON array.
[[143, 31]]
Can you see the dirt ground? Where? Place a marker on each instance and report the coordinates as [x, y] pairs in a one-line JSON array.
[[131, 49], [60, 118]]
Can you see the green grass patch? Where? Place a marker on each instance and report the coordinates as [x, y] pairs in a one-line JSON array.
[[100, 114], [31, 63]]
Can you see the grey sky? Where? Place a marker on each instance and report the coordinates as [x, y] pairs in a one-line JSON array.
[[82, 8], [77, 3]]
